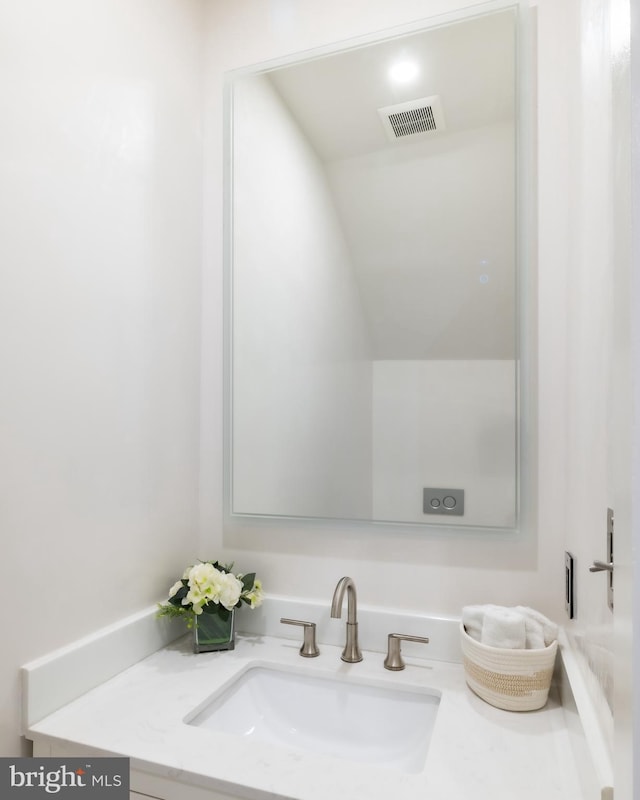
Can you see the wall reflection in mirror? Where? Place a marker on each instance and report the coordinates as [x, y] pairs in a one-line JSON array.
[[373, 271]]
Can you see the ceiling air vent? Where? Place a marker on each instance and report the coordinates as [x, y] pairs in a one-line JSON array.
[[413, 118]]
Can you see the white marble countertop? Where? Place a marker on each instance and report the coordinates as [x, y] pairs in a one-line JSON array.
[[476, 751]]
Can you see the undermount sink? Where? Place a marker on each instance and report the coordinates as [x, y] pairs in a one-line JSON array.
[[390, 727]]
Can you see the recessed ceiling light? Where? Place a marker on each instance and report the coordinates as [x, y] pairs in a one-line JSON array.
[[404, 71]]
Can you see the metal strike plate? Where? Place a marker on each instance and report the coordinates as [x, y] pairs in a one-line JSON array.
[[610, 526], [607, 566], [446, 502]]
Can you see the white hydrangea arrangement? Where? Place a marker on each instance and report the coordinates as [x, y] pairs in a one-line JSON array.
[[211, 588]]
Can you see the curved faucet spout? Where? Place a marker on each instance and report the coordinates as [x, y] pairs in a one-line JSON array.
[[351, 652], [345, 584]]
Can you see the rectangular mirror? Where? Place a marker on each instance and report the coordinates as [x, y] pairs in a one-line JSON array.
[[373, 261]]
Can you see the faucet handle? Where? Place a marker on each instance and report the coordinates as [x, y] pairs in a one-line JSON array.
[[309, 647], [394, 659]]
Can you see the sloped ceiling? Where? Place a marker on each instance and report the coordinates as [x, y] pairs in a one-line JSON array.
[[430, 220]]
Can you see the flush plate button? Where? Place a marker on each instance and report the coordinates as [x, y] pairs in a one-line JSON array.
[[447, 502]]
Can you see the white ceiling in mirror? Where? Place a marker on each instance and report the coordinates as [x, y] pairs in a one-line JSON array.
[[372, 311], [432, 215], [470, 65]]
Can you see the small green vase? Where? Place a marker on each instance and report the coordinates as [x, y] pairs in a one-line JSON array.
[[214, 631]]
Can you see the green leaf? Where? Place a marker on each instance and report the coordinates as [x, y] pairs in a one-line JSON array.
[[248, 581], [217, 609], [183, 591]]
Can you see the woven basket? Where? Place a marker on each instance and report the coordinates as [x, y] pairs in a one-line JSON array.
[[516, 680]]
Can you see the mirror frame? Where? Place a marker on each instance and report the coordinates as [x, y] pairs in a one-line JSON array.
[[525, 461]]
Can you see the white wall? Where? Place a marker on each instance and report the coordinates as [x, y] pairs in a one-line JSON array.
[[393, 566], [585, 391], [99, 210], [409, 214], [449, 424], [632, 715], [302, 368], [100, 171]]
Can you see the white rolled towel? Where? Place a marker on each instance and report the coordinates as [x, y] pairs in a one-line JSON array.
[[541, 631], [503, 627], [472, 619]]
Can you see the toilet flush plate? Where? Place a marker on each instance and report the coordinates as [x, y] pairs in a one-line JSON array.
[[447, 502]]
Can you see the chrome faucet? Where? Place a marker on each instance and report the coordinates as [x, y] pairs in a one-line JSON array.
[[351, 652]]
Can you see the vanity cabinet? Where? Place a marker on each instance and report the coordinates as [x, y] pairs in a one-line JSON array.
[[177, 791], [140, 713], [147, 787], [165, 789]]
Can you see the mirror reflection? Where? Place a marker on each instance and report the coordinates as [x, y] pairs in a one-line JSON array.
[[373, 272]]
